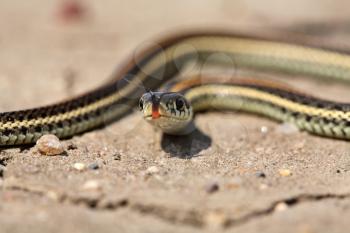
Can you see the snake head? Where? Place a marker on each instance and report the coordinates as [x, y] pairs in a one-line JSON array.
[[169, 111]]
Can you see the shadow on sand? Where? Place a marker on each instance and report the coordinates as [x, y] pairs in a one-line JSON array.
[[185, 146]]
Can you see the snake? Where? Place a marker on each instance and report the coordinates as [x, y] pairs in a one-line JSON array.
[[138, 80]]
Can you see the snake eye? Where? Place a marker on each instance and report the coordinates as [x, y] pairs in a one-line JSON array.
[[180, 104], [141, 104]]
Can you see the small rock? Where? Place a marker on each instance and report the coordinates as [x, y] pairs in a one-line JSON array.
[[92, 185], [215, 219], [285, 172], [117, 156], [264, 129], [111, 155], [152, 170], [53, 195], [79, 166], [93, 166], [263, 186], [260, 174], [71, 146], [281, 206], [49, 145], [287, 128], [212, 187]]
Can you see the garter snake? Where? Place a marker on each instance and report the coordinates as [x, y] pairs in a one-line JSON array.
[[156, 65]]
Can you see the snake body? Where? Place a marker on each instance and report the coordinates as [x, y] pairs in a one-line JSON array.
[[156, 65], [278, 102]]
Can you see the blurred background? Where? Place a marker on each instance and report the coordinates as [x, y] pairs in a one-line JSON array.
[[62, 47]]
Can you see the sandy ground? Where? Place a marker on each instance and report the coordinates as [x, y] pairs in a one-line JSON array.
[[137, 182]]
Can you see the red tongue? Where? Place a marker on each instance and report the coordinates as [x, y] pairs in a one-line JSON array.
[[155, 111]]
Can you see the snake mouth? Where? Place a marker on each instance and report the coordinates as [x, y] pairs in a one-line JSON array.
[[152, 118]]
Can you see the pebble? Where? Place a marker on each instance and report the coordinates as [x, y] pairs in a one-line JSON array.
[[79, 166], [92, 185], [264, 129], [263, 186], [152, 170], [212, 187], [117, 156], [53, 195], [93, 166], [285, 172], [215, 219], [287, 128], [71, 146], [281, 206], [49, 145], [260, 174]]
